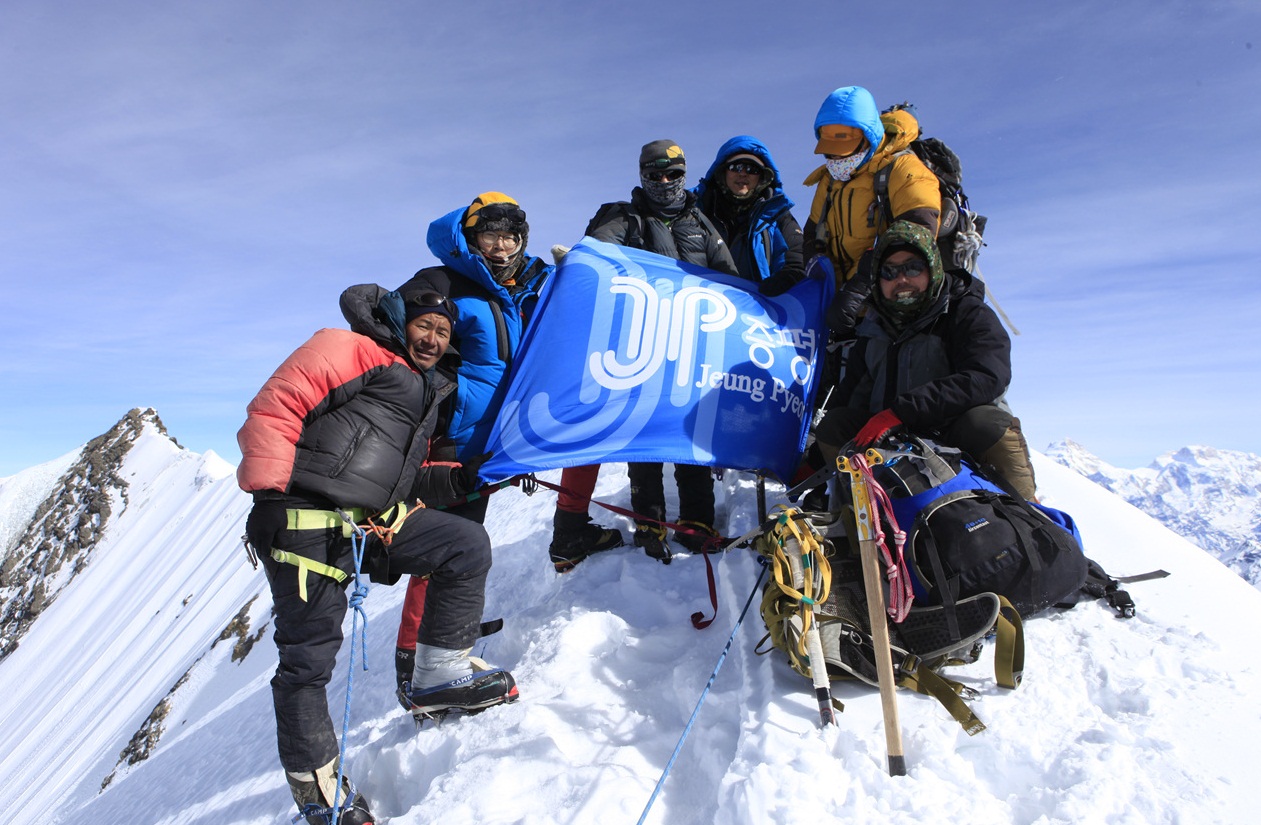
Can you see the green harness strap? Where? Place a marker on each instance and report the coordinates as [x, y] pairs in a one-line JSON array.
[[303, 519], [305, 566]]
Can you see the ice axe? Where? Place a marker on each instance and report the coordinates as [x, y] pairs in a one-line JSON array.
[[804, 580], [863, 514]]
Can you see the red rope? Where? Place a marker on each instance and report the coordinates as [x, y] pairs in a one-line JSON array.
[[900, 593], [710, 543]]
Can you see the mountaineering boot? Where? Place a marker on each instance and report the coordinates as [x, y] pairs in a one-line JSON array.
[[447, 680], [404, 664], [703, 538], [316, 791], [652, 537], [575, 536]]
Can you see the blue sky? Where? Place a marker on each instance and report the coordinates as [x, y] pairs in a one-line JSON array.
[[185, 189]]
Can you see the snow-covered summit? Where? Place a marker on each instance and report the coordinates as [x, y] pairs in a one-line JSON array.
[[1210, 496], [116, 581], [141, 693]]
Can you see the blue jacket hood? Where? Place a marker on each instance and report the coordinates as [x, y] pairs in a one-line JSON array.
[[741, 145], [447, 243], [852, 106], [488, 331]]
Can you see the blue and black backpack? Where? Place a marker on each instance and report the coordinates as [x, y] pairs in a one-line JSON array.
[[966, 534]]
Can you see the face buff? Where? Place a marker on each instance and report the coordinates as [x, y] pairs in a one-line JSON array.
[[664, 192], [843, 168]]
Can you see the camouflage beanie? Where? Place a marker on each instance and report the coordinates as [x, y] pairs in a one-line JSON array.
[[911, 237]]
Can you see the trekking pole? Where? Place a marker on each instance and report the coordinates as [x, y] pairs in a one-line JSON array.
[[876, 615], [761, 498], [814, 647]]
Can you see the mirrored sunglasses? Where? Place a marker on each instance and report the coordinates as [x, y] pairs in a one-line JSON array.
[[746, 167]]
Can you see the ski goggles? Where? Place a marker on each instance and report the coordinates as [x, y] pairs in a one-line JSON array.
[[499, 211], [911, 269]]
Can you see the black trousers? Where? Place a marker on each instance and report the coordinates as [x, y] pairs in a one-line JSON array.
[[454, 551], [696, 491]]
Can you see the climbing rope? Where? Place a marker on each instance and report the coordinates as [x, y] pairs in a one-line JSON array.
[[900, 593], [358, 541], [704, 693]]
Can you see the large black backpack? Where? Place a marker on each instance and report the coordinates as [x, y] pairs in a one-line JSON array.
[[922, 645], [967, 535], [960, 229]]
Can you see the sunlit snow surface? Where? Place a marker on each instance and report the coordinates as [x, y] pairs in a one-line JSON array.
[[1140, 721]]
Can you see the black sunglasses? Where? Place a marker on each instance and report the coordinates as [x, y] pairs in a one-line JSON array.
[[669, 174], [434, 299], [912, 268], [746, 167]]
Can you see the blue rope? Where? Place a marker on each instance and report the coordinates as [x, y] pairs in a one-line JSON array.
[[712, 676], [358, 541]]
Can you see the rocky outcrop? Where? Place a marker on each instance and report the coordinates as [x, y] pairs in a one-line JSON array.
[[66, 528]]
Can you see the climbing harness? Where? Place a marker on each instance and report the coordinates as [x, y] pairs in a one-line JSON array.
[[384, 526]]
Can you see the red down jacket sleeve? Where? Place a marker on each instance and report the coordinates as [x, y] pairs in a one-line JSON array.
[[299, 389]]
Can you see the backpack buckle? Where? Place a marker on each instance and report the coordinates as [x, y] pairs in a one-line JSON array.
[[1124, 605]]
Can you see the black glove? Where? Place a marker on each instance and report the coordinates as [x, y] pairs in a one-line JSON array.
[[442, 451], [778, 284], [464, 478], [265, 522]]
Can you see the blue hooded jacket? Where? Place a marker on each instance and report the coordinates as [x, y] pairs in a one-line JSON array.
[[761, 252], [488, 331]]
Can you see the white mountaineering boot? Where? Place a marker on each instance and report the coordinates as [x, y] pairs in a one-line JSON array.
[[447, 679]]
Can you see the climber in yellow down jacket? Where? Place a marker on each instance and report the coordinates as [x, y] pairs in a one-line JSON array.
[[845, 220]]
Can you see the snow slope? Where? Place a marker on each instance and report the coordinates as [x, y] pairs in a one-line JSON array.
[[115, 641], [21, 495], [1139, 721]]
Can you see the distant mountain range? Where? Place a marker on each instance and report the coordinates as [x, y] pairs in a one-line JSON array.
[[1211, 497]]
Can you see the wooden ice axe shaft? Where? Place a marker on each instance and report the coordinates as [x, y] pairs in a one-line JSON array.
[[876, 616]]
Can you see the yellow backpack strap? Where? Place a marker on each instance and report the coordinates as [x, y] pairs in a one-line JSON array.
[[1009, 652], [946, 691]]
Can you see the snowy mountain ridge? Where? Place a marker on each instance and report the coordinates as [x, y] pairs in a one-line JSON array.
[[1212, 497], [141, 692]]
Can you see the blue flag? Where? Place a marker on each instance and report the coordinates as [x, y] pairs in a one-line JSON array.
[[633, 356]]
